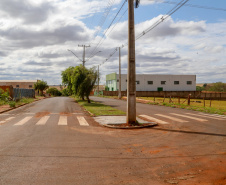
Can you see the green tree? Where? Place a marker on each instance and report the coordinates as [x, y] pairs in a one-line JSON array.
[[41, 85], [66, 76], [198, 88], [65, 92], [54, 91], [81, 80], [217, 87]]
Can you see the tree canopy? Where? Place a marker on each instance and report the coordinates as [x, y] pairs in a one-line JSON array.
[[216, 87], [79, 80], [41, 85]]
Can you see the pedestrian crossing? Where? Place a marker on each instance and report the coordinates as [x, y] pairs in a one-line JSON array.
[[45, 120], [63, 120], [183, 118]]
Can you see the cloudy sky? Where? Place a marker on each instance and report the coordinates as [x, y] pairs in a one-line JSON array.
[[35, 36]]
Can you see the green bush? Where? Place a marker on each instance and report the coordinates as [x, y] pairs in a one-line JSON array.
[[4, 95], [65, 92], [54, 91], [12, 104]]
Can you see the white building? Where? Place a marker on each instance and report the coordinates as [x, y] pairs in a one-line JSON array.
[[148, 82]]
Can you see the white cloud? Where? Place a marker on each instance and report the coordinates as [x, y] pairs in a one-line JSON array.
[[35, 36]]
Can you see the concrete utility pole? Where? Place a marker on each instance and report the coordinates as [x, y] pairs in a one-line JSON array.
[[119, 89], [98, 82], [84, 53], [131, 76]]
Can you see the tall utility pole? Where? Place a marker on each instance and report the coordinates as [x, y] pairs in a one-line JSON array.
[[119, 89], [98, 82], [131, 74], [84, 53]]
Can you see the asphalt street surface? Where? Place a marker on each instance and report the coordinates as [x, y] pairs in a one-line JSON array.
[[54, 141]]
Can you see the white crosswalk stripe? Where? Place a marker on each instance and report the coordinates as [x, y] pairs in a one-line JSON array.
[[172, 118], [43, 120], [23, 121], [198, 119], [214, 115], [8, 119], [154, 119], [82, 121], [62, 120], [205, 116]]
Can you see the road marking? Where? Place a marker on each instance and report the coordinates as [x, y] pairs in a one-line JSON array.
[[154, 119], [214, 115], [198, 119], [206, 116], [82, 121], [172, 118], [62, 120], [8, 119], [23, 121], [218, 115], [43, 120]]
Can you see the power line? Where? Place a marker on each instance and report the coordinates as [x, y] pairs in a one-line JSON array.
[[108, 28], [104, 17], [172, 11], [117, 21], [192, 5]]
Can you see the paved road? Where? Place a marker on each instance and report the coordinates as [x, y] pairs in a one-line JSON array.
[[53, 141], [173, 118]]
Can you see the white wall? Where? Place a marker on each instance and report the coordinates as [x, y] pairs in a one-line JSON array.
[[169, 86]]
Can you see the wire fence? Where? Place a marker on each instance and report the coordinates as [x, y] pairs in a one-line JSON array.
[[23, 93]]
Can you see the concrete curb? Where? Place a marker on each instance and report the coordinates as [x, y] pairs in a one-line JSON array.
[[19, 106], [117, 126]]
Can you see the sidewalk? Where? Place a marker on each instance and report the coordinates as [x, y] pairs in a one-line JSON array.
[[120, 122]]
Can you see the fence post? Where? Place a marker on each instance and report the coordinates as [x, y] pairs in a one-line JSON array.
[[204, 103], [189, 96]]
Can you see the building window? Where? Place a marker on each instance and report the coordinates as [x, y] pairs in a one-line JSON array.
[[176, 82], [189, 82], [137, 82], [17, 86], [150, 82], [163, 82], [30, 86]]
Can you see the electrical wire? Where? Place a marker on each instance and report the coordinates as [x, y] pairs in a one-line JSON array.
[[103, 18], [104, 34], [172, 11], [191, 5]]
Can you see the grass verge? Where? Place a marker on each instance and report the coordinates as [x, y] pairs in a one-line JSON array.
[[99, 109], [212, 107]]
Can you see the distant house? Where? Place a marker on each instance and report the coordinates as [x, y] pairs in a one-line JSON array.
[[22, 84], [149, 82]]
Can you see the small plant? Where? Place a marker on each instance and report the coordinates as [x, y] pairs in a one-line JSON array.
[[12, 104]]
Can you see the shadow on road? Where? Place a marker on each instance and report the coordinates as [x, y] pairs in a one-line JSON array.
[[189, 132]]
